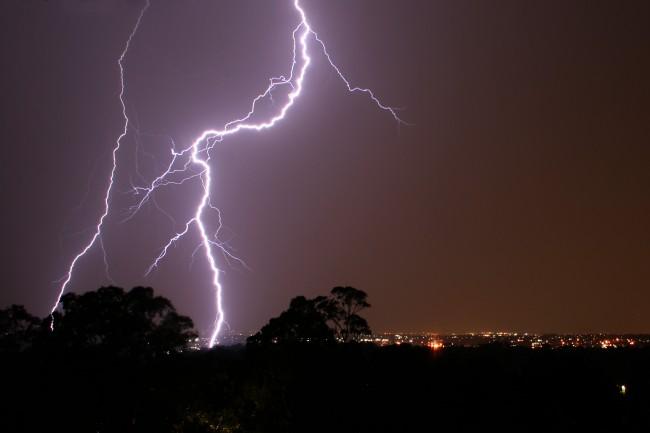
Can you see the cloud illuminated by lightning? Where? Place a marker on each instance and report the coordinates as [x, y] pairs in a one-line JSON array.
[[192, 162]]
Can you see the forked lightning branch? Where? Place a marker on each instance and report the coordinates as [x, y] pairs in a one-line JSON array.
[[192, 163]]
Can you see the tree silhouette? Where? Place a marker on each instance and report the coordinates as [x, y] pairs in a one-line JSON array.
[[321, 319], [303, 321], [345, 304], [115, 321], [18, 329]]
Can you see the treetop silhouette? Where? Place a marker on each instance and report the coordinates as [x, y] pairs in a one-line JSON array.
[[110, 320], [318, 320]]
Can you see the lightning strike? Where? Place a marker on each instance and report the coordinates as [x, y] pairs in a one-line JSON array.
[[107, 195], [192, 162]]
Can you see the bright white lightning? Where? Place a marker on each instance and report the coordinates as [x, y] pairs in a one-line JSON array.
[[197, 155], [98, 228]]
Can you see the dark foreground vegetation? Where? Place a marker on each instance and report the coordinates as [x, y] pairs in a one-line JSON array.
[[88, 380]]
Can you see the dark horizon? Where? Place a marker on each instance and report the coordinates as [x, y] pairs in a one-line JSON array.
[[517, 200]]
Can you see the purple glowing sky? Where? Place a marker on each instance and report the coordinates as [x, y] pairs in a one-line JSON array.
[[518, 199]]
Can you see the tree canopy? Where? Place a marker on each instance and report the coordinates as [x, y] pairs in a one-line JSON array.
[[304, 321], [17, 328], [346, 304], [110, 320], [318, 320]]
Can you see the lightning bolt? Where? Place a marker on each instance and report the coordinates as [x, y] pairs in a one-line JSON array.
[[98, 228], [192, 162]]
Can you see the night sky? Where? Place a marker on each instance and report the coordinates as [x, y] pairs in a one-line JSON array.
[[518, 199]]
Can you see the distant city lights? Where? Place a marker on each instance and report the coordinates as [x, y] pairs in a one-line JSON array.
[[437, 342]]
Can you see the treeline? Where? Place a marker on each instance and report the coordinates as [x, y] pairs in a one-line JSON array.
[[303, 372], [109, 321], [137, 323]]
